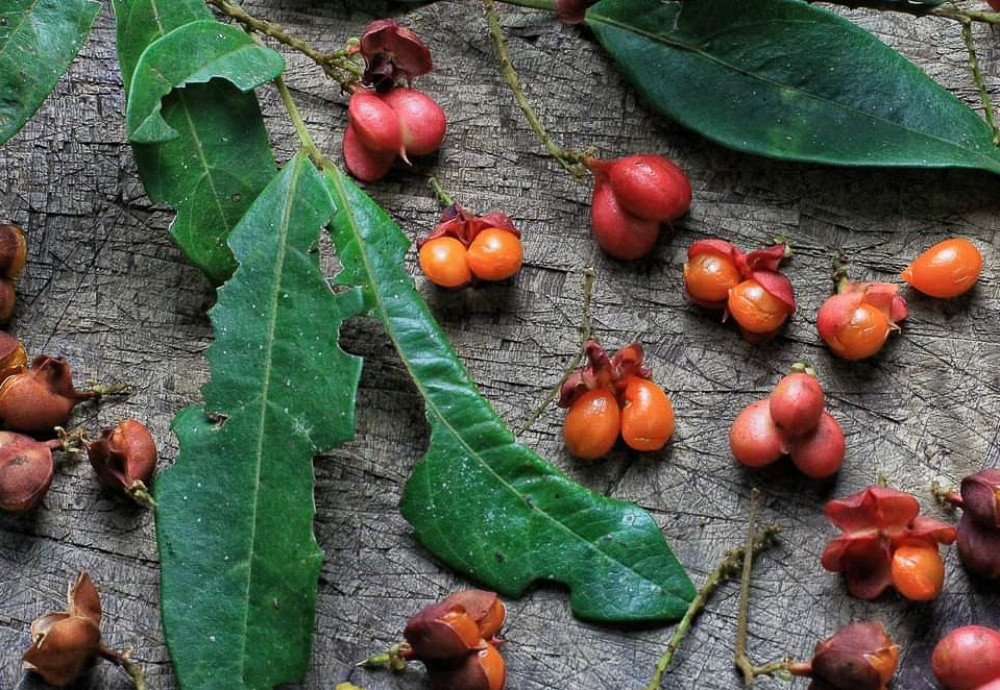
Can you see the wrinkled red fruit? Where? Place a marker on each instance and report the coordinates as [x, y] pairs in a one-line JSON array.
[[632, 197], [40, 399], [967, 658], [754, 438], [26, 469], [796, 404], [124, 457], [875, 523], [859, 656], [820, 453], [64, 642]]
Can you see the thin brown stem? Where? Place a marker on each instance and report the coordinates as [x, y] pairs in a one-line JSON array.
[[741, 659], [979, 80], [726, 570], [586, 334], [568, 159], [335, 64], [124, 661]]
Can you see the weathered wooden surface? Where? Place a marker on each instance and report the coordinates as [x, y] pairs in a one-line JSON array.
[[106, 287]]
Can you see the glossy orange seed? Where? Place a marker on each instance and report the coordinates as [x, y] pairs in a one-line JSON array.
[[862, 336], [948, 269], [592, 424], [495, 254], [647, 415], [918, 571], [493, 667], [443, 261], [708, 277], [755, 309]]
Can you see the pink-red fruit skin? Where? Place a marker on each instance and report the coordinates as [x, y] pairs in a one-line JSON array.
[[650, 187], [967, 658], [364, 163], [753, 438], [796, 404], [26, 470], [374, 122], [820, 454], [622, 235], [422, 121]]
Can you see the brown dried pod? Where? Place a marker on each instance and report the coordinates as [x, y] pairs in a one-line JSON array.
[[482, 670], [13, 357], [859, 656], [39, 399], [124, 458], [13, 251], [64, 642], [981, 497], [26, 469]]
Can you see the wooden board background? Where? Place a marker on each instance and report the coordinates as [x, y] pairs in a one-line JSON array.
[[106, 287]]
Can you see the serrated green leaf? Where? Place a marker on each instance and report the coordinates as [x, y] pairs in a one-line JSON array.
[[38, 41], [234, 524], [785, 79], [221, 158], [193, 54], [481, 502]]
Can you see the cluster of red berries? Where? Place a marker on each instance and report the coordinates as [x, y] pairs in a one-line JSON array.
[[612, 397], [791, 421], [886, 542], [38, 400], [385, 119], [749, 287], [633, 196], [466, 247], [456, 639]]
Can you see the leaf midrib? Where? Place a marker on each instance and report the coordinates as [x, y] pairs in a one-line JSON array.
[[444, 420], [659, 38]]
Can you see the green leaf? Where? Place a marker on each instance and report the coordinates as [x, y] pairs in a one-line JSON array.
[[234, 524], [220, 160], [481, 502], [785, 79], [191, 54], [38, 41]]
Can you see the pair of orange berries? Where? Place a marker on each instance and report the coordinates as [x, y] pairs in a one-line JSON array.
[[612, 397], [465, 246]]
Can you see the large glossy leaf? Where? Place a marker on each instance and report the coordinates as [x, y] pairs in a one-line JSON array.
[[38, 41], [220, 160], [234, 524], [786, 79], [481, 502], [193, 54]]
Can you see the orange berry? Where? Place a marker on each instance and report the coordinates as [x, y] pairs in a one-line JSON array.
[[862, 336], [443, 261], [948, 269], [495, 254], [755, 309], [493, 668], [918, 571], [708, 277], [592, 424], [647, 419]]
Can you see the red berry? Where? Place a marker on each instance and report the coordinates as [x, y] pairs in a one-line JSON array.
[[754, 438], [967, 658], [796, 404], [374, 122], [820, 454], [650, 187], [622, 235], [362, 162], [421, 120]]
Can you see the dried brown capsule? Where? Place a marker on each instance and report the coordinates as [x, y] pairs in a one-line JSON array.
[[442, 631], [979, 528], [13, 251], [26, 470], [124, 458], [981, 497], [39, 399], [62, 643], [859, 656]]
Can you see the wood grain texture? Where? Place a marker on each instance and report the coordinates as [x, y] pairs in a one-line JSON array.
[[106, 288]]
